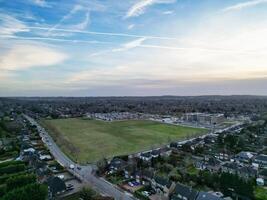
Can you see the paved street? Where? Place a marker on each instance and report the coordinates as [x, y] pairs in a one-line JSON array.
[[85, 173]]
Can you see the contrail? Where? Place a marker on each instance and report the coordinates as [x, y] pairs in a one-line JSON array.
[[103, 33], [55, 39]]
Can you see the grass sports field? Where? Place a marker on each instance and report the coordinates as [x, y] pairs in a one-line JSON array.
[[89, 140]]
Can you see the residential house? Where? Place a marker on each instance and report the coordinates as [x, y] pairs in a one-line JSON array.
[[56, 185], [247, 172], [117, 164], [146, 156], [162, 185], [165, 151], [230, 167], [261, 160], [155, 153], [207, 196], [174, 145], [263, 175], [222, 156], [213, 164], [182, 192], [244, 157]]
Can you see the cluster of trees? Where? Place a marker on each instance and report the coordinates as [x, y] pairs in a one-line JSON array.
[[229, 184], [18, 183], [234, 143], [32, 191]]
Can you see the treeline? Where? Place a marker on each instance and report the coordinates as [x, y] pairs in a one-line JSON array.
[[155, 105]]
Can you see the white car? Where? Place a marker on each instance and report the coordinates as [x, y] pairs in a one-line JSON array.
[[72, 166], [131, 184]]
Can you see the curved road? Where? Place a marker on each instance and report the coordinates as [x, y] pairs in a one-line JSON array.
[[85, 173]]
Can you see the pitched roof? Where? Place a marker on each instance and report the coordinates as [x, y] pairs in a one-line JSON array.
[[117, 163], [56, 184], [248, 170], [146, 154], [207, 196], [185, 191], [231, 165], [163, 181], [245, 155], [261, 157]]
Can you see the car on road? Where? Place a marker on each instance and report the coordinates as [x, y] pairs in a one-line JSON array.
[[72, 166]]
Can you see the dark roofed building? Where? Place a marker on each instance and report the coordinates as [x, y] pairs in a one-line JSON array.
[[244, 156], [247, 172], [155, 153], [213, 164], [56, 185], [117, 164], [162, 185], [230, 167], [261, 160], [146, 156], [207, 196], [182, 192]]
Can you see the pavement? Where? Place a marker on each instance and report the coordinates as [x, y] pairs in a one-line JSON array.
[[85, 173]]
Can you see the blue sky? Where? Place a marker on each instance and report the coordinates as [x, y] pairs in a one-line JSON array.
[[133, 47]]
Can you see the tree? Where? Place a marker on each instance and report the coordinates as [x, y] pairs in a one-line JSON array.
[[102, 165], [87, 193]]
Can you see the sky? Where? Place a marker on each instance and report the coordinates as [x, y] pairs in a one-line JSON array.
[[133, 47]]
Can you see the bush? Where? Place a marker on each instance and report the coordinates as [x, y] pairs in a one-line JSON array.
[[13, 162]]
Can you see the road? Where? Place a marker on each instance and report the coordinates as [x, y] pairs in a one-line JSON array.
[[85, 173]]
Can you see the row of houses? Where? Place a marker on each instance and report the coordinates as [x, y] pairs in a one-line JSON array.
[[162, 186], [47, 169]]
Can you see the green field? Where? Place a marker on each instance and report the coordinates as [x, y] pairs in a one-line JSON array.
[[89, 140]]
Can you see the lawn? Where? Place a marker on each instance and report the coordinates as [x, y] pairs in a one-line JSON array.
[[90, 140]]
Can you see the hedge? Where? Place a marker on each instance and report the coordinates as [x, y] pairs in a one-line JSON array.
[[12, 169], [13, 162], [19, 181]]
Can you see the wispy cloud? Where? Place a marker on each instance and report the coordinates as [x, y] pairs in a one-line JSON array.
[[23, 56], [168, 12], [82, 25], [10, 25], [131, 26], [243, 5], [130, 45], [41, 3], [140, 7]]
